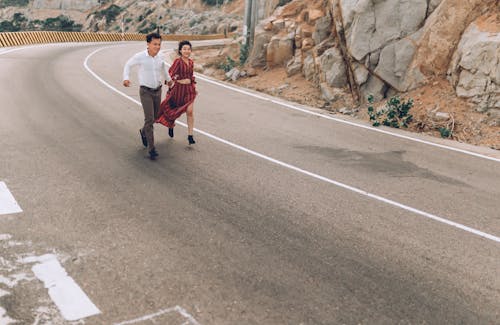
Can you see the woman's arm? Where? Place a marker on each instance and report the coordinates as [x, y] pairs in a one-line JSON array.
[[174, 69]]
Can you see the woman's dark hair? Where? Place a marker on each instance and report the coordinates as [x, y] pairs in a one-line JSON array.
[[181, 44]]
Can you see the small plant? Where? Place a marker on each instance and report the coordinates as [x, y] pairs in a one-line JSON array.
[[227, 65], [214, 2], [445, 132], [395, 113], [244, 49]]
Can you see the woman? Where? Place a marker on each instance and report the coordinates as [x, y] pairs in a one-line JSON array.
[[181, 96]]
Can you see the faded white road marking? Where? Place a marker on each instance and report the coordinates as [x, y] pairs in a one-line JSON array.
[[7, 202], [72, 302], [180, 310], [4, 319], [308, 173]]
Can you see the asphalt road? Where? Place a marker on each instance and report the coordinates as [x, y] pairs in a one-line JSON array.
[[275, 216]]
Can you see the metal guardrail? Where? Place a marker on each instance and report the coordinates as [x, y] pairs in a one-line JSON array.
[[8, 39]]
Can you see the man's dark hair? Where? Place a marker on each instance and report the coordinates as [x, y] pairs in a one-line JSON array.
[[181, 44], [150, 37]]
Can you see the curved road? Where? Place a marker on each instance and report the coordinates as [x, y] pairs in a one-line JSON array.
[[275, 216]]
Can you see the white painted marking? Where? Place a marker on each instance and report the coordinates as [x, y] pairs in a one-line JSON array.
[[4, 319], [72, 302], [5, 236], [8, 204], [180, 310], [370, 128], [16, 279], [316, 176], [303, 110]]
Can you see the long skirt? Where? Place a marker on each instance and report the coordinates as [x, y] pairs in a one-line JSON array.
[[176, 103]]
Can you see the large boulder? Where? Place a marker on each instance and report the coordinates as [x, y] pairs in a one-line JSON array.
[[475, 67], [322, 29], [372, 25], [394, 61], [332, 68], [440, 36], [280, 49], [257, 55]]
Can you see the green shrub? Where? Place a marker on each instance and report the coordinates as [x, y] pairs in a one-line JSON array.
[[60, 23], [146, 30], [227, 65], [244, 49], [14, 3], [445, 132], [8, 26], [213, 2], [110, 13], [395, 113]]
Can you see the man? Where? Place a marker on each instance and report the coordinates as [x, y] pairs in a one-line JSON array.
[[152, 69]]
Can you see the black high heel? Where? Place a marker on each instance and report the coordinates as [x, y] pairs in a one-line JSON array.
[[171, 132], [191, 140]]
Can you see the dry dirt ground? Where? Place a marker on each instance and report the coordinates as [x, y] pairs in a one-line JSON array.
[[466, 124]]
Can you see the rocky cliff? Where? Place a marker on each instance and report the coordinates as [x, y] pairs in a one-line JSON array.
[[386, 47]]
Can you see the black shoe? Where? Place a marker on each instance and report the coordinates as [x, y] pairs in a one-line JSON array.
[[153, 154], [171, 132], [191, 140], [143, 138]]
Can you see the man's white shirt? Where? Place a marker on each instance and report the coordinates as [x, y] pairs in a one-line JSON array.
[[152, 70]]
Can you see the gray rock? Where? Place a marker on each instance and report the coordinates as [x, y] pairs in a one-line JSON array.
[[371, 25], [294, 66], [394, 61], [309, 69], [330, 94], [475, 68], [322, 29], [374, 86], [332, 68], [361, 73], [280, 49]]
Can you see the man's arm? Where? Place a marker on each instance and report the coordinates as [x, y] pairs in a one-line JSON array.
[[126, 70]]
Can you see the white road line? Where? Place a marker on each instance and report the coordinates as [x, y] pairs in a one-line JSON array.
[[72, 302], [316, 176], [370, 128], [8, 204], [177, 309], [290, 106], [325, 116]]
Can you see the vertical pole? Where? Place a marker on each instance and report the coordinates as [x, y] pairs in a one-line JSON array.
[[253, 21], [246, 21], [123, 27]]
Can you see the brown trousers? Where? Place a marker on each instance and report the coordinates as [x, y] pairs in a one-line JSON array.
[[150, 100]]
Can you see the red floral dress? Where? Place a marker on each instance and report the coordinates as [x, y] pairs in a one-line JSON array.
[[180, 96]]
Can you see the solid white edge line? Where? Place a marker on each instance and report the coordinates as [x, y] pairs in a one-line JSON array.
[[290, 106], [319, 177], [178, 309], [370, 128], [8, 203]]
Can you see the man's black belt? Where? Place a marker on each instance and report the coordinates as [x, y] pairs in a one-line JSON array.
[[151, 89]]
